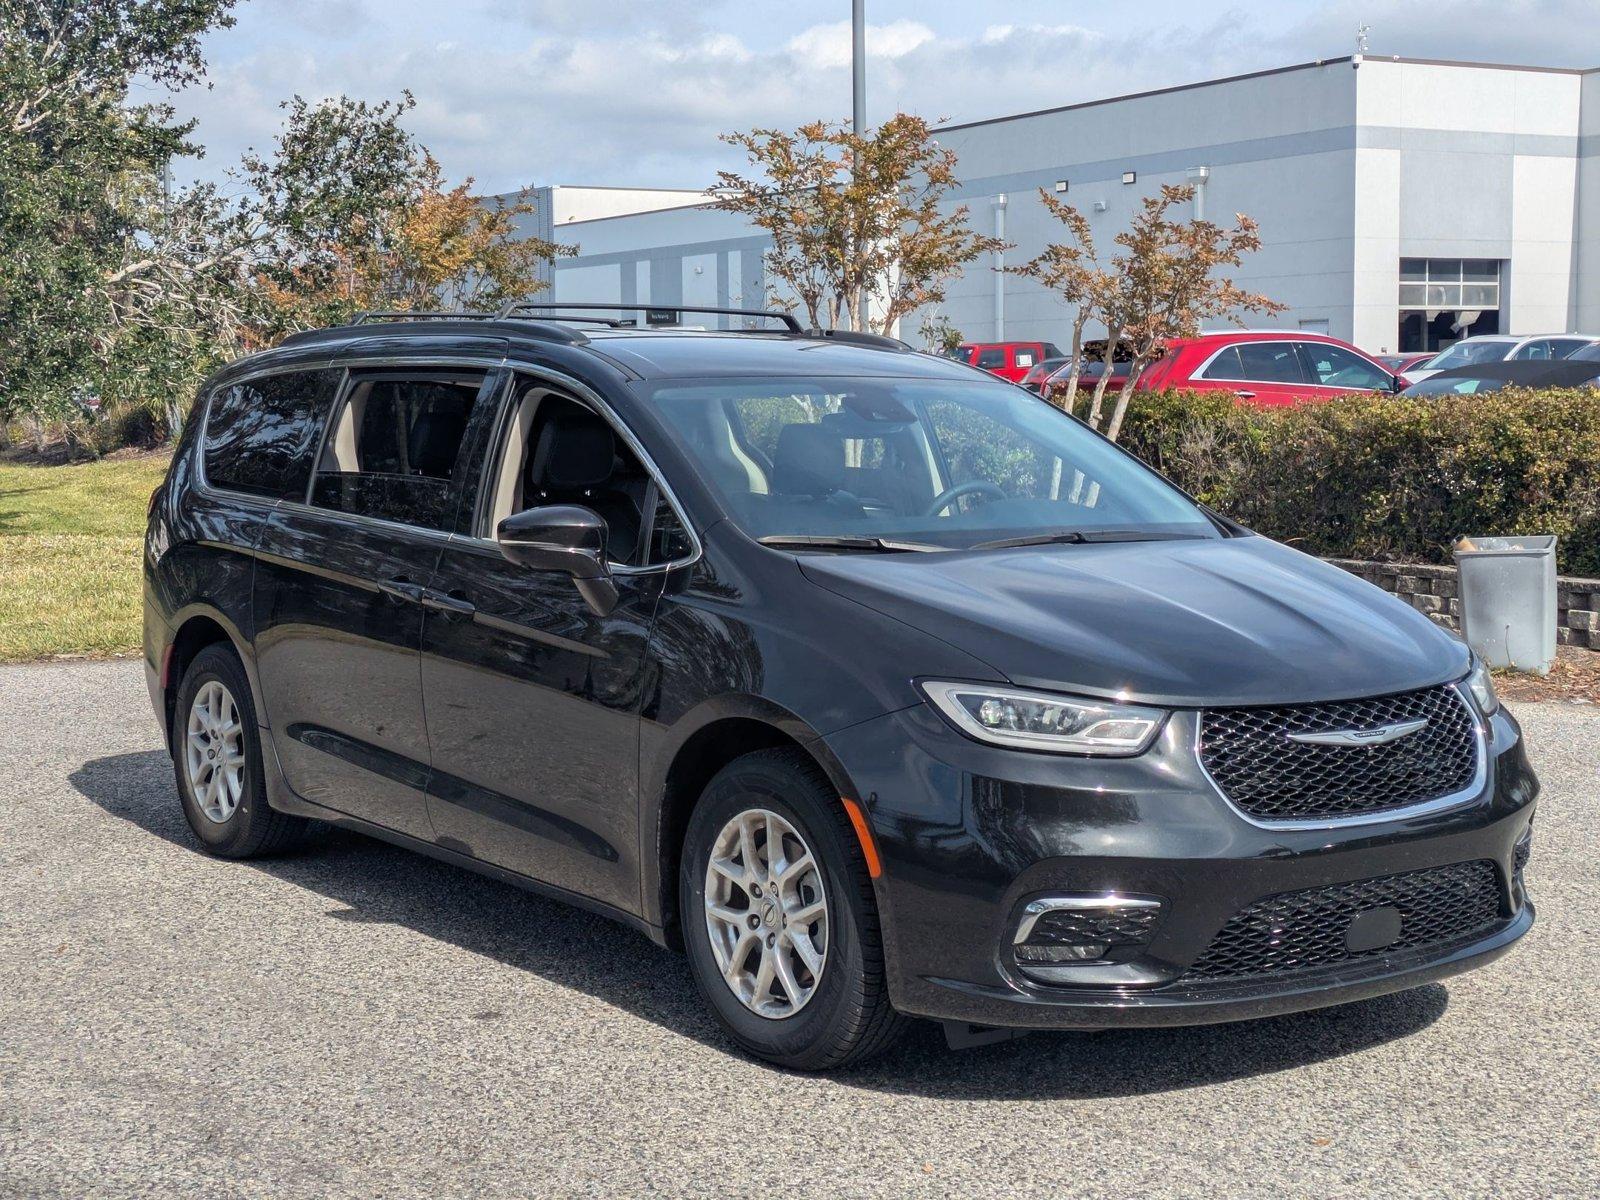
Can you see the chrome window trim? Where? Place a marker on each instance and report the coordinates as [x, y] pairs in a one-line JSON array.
[[489, 363], [1439, 804], [1097, 903]]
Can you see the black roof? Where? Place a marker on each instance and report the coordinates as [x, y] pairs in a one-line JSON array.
[[645, 353], [1562, 372]]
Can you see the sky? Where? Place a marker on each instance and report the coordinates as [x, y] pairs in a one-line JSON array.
[[515, 93]]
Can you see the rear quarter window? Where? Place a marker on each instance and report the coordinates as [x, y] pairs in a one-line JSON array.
[[261, 434]]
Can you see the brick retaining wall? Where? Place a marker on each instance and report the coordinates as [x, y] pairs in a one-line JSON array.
[[1432, 590]]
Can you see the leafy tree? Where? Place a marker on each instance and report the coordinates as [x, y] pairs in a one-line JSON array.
[[1167, 281], [1072, 270], [117, 289], [356, 215], [79, 163], [858, 232], [938, 335]]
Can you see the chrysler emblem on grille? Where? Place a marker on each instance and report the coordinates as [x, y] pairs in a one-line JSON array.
[[1361, 737]]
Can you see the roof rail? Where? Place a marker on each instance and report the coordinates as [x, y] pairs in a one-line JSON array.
[[517, 306], [874, 341], [420, 314]]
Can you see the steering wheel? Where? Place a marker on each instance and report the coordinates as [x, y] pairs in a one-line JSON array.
[[973, 487]]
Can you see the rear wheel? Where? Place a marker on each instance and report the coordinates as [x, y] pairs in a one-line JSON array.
[[779, 916], [216, 753]]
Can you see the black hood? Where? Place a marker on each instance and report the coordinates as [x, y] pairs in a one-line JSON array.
[[1179, 623]]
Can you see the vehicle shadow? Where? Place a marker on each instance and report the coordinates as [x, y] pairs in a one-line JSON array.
[[370, 881]]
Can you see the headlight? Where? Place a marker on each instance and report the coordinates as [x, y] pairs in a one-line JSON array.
[[1043, 721], [1482, 688]]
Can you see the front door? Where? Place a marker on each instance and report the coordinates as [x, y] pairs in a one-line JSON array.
[[340, 583], [533, 698]]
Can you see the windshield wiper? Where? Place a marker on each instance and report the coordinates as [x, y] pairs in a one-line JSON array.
[[827, 542], [1078, 537]]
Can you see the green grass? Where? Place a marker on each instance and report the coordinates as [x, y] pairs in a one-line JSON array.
[[70, 541]]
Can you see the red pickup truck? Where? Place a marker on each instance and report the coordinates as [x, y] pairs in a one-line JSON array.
[[1009, 360]]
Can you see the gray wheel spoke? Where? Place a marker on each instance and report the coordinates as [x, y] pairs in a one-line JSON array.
[[781, 964], [808, 914], [807, 952]]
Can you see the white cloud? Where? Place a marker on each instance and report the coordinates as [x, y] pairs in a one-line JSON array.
[[545, 98], [828, 47]]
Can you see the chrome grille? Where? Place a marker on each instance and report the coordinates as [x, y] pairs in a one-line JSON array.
[[1300, 930], [1252, 756]]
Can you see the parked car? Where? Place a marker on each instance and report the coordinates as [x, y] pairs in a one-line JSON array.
[[1088, 378], [1501, 347], [1008, 360], [1034, 380], [1492, 376], [1270, 366], [879, 688], [1402, 363]]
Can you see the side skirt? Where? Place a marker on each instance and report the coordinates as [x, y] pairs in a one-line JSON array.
[[283, 798]]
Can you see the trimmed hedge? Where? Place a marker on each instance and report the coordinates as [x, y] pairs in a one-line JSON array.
[[1387, 477]]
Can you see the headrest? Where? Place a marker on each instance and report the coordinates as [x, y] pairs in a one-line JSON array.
[[434, 440], [575, 449], [808, 461]]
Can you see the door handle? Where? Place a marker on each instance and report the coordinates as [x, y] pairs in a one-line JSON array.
[[448, 603], [1245, 395], [401, 590]]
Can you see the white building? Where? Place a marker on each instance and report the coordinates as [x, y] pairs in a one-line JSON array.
[[1402, 202]]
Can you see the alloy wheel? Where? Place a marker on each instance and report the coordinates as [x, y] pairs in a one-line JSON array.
[[214, 752], [766, 913]]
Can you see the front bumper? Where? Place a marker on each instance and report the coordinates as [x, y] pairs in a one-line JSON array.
[[969, 834]]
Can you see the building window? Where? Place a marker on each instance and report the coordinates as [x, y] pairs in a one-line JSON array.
[[1443, 300]]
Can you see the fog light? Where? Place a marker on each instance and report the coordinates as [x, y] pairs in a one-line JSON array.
[[1081, 929]]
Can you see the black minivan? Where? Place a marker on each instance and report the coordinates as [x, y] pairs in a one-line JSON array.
[[880, 687]]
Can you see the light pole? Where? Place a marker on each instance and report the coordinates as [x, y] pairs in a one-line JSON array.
[[858, 66], [1000, 268]]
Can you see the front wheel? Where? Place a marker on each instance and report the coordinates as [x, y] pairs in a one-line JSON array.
[[779, 917]]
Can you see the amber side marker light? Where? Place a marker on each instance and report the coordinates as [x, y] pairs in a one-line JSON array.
[[869, 848]]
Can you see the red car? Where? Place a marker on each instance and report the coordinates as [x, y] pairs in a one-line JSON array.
[[1401, 363], [1009, 360], [1269, 366]]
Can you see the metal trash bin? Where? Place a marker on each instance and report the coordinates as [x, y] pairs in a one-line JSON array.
[[1508, 599]]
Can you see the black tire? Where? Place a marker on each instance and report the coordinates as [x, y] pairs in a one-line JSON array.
[[254, 828], [848, 1019]]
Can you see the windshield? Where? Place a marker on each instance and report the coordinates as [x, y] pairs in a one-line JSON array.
[[943, 464], [1464, 354]]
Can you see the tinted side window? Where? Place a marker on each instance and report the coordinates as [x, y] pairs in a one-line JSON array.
[[1224, 366], [1270, 362], [393, 447], [990, 360], [1334, 366], [261, 434], [1536, 351]]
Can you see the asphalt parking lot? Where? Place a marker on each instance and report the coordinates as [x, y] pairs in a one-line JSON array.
[[357, 1021]]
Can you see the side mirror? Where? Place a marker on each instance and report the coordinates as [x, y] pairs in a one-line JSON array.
[[563, 537]]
